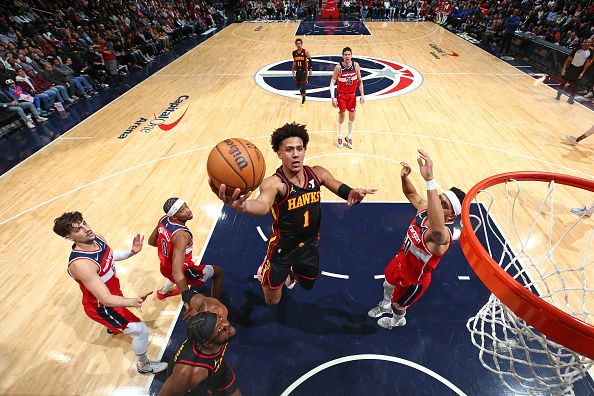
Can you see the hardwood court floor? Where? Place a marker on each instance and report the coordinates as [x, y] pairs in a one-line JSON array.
[[475, 115]]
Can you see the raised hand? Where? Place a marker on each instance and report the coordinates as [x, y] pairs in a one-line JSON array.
[[137, 243], [406, 169], [425, 165], [137, 302]]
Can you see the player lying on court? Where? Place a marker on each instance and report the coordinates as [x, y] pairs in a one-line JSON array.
[[174, 244], [91, 264], [199, 366], [292, 195], [428, 238]]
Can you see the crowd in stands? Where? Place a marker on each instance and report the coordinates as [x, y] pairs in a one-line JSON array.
[[268, 10], [55, 52]]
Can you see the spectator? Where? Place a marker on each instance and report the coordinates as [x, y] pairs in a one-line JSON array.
[[9, 103], [80, 83]]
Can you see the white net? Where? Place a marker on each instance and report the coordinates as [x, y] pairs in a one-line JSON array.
[[549, 253]]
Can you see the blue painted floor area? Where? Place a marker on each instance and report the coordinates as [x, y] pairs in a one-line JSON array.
[[332, 28], [277, 345], [21, 143]]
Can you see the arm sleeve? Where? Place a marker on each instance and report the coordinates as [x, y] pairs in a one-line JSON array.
[[119, 255], [332, 83]]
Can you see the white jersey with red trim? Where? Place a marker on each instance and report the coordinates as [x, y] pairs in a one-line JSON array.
[[417, 260], [103, 259], [347, 81]]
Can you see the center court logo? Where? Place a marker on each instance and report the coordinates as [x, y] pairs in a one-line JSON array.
[[161, 121], [382, 78]]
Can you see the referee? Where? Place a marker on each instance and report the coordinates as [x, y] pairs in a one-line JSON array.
[[575, 68]]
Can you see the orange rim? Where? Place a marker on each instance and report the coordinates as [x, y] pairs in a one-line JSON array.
[[557, 325]]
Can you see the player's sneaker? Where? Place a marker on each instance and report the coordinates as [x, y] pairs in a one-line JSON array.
[[291, 281], [339, 143], [380, 309], [389, 322], [259, 273], [571, 139], [151, 367], [349, 143], [174, 291], [582, 212]]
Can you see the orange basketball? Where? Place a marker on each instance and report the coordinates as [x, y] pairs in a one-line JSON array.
[[237, 163]]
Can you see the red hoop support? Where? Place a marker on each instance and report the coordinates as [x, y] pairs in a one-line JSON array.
[[557, 325]]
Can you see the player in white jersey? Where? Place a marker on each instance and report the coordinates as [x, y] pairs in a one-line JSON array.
[[428, 238]]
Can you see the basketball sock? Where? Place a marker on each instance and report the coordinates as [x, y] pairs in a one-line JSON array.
[[350, 126], [340, 130], [142, 359], [167, 286], [581, 137], [388, 290]]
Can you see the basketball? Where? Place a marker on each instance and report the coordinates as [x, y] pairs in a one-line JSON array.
[[237, 163]]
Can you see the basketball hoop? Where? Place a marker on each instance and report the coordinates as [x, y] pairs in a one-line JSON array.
[[536, 331]]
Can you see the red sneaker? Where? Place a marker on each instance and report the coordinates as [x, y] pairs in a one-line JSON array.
[[170, 293]]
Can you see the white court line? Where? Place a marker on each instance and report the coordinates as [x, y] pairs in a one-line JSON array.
[[169, 313], [75, 137], [386, 358], [463, 277], [181, 304], [382, 276], [262, 234], [333, 275], [455, 141]]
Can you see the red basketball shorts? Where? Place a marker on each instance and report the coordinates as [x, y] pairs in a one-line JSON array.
[[347, 102], [407, 291]]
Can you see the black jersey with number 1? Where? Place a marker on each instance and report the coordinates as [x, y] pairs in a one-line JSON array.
[[297, 215]]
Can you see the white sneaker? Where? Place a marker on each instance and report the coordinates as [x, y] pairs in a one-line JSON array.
[[152, 367], [571, 139], [40, 119], [379, 310], [339, 143], [582, 212], [349, 143], [291, 281], [389, 323], [30, 124]]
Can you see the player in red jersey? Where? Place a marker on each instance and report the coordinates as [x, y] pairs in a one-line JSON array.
[[174, 244], [91, 264], [428, 238], [199, 365], [292, 196], [347, 77]]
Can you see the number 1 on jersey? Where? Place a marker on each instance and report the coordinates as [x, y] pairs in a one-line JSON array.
[[306, 219]]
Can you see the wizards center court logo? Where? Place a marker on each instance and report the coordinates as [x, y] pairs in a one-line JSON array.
[[382, 78]]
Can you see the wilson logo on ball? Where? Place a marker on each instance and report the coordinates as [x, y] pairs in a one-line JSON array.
[[236, 153]]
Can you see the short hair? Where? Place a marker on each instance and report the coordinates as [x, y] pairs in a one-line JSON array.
[[459, 193], [347, 49], [168, 204], [286, 131], [63, 224], [298, 40], [198, 331]]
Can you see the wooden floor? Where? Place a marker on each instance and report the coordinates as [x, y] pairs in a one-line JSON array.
[[475, 115]]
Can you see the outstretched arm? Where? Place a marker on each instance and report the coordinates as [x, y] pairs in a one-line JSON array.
[[409, 190], [351, 195], [439, 233], [270, 187]]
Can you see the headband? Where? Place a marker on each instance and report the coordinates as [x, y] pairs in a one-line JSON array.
[[454, 201], [176, 207]]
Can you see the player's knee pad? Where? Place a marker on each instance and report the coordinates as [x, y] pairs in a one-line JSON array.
[[137, 329]]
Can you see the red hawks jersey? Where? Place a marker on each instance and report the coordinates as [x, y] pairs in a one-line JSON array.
[[103, 259], [167, 228], [347, 79], [417, 260]]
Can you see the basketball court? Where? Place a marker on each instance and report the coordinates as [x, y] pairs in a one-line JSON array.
[[425, 88]]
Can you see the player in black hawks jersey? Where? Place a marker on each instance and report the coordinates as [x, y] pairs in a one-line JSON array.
[[301, 68], [292, 196]]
